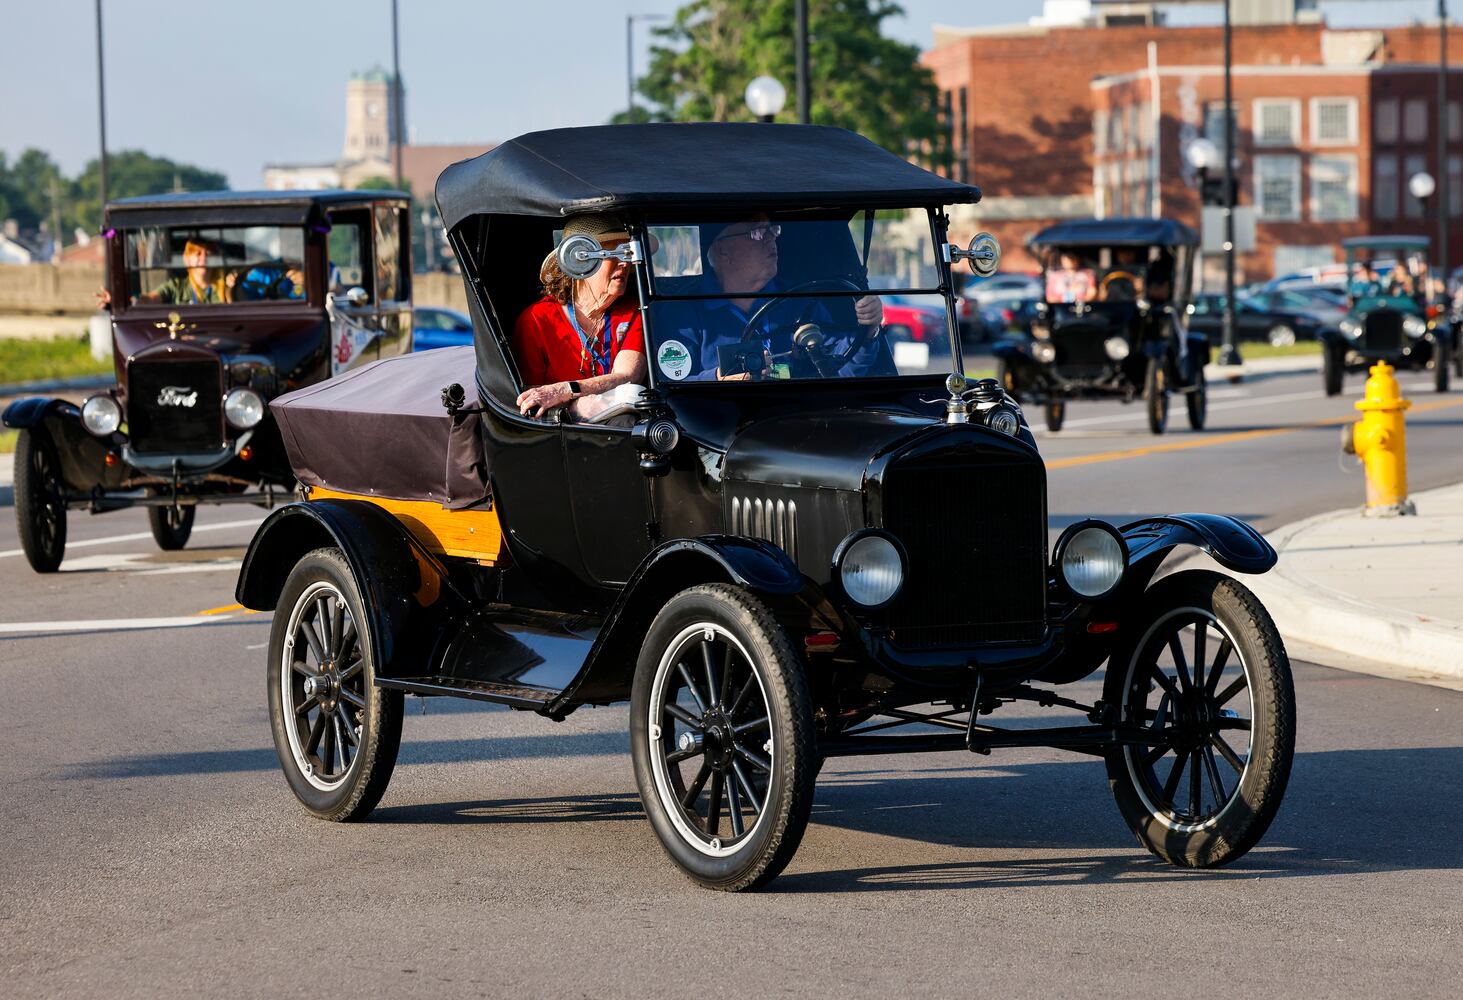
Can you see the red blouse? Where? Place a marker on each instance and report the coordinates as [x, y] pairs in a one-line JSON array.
[[548, 348]]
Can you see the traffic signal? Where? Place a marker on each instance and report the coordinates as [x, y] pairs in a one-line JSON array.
[[1211, 190]]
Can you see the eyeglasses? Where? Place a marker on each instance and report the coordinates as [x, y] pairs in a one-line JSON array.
[[756, 234]]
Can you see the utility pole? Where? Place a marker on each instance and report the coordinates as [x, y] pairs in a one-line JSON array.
[[396, 93], [1444, 195], [805, 109], [102, 108], [630, 20], [1228, 352]]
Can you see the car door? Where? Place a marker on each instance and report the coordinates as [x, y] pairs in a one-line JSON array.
[[610, 498], [391, 256], [351, 281]]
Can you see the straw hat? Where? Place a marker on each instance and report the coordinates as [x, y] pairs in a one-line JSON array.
[[604, 227]]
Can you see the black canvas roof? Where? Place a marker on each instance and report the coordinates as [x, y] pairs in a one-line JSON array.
[[1117, 232], [697, 165], [286, 208]]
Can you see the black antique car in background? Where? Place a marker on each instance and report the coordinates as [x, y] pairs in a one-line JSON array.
[[1392, 314], [771, 571], [220, 301], [1112, 321]]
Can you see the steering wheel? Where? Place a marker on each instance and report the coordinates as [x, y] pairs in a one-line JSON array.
[[832, 284]]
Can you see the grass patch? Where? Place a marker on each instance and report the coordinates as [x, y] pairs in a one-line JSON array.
[[7, 441], [28, 360], [1250, 350]]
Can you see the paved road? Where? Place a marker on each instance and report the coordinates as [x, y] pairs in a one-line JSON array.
[[152, 848]]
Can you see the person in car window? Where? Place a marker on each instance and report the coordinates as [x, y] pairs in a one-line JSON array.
[[584, 337], [199, 284], [741, 263]]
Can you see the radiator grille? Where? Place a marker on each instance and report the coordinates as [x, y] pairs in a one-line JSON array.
[[976, 539], [1080, 350], [773, 520], [175, 407], [1383, 331]]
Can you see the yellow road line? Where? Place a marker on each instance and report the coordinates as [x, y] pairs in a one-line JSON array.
[[1207, 442], [221, 611]]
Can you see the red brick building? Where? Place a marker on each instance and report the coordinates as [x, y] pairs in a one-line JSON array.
[[1066, 122]]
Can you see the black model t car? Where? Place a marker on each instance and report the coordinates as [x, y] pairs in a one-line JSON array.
[[1112, 321], [220, 301], [1392, 314], [771, 571]]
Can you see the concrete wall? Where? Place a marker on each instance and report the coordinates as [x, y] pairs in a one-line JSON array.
[[44, 289]]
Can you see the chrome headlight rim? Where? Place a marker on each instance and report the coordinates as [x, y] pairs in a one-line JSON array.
[[1117, 348], [846, 546], [1059, 553], [1350, 328], [1003, 418], [231, 404], [101, 405], [1414, 326], [1044, 351]]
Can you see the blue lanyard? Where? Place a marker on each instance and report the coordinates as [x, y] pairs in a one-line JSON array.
[[601, 355]]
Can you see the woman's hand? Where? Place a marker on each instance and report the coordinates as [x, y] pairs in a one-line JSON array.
[[104, 298], [869, 310], [540, 399]]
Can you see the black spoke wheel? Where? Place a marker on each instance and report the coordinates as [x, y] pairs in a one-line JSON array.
[[721, 736], [1155, 395], [1207, 674], [1197, 400], [40, 511], [335, 732], [1007, 378], [171, 526], [1056, 413]]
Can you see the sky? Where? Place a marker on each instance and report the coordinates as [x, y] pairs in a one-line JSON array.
[[230, 86]]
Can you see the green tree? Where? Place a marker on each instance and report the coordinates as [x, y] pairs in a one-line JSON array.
[[380, 182], [858, 78], [132, 173]]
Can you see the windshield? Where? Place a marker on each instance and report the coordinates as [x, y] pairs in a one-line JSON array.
[[1388, 274], [770, 296], [1108, 274], [193, 266]]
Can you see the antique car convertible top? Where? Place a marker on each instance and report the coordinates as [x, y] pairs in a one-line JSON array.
[[840, 549], [1111, 321], [220, 301]]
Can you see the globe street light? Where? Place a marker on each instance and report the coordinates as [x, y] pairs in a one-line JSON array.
[[1203, 156], [1422, 186], [765, 97]]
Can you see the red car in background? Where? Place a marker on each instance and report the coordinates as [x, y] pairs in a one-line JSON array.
[[914, 318]]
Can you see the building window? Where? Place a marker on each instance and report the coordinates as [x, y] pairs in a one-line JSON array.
[[1277, 122], [1415, 164], [1384, 187], [1099, 131], [1333, 121], [1277, 188], [1414, 120], [1333, 188], [1214, 122], [1385, 119]]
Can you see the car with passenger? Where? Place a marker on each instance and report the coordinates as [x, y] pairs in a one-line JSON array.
[[783, 545], [219, 302]]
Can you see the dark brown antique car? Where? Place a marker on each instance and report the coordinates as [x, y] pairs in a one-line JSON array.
[[847, 540], [220, 302]]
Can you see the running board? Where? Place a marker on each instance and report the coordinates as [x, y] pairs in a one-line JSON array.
[[532, 699]]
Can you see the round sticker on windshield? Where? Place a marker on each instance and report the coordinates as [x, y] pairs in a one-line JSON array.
[[674, 360]]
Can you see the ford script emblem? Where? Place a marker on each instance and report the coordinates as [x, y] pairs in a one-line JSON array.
[[177, 395]]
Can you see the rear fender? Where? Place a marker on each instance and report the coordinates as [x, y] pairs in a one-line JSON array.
[[1229, 541], [759, 566], [407, 600]]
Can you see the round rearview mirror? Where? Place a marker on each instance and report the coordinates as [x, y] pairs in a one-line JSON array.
[[356, 296], [578, 256], [984, 255]]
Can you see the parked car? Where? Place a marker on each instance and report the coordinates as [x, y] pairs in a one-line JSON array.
[[913, 318], [772, 572], [1006, 285], [220, 301], [1391, 315], [1279, 318], [434, 326], [1111, 323]]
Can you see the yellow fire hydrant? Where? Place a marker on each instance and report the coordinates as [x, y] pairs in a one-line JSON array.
[[1379, 438]]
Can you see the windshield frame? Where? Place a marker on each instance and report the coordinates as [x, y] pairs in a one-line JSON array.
[[120, 273]]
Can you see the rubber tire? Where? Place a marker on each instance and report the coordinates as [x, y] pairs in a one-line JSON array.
[[1457, 353], [1258, 643], [1007, 380], [171, 536], [1155, 396], [898, 334], [31, 496], [1287, 337], [1440, 363], [354, 799], [1056, 414], [790, 799], [1197, 402], [1332, 370]]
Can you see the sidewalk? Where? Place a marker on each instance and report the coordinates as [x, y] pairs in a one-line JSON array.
[[1384, 593]]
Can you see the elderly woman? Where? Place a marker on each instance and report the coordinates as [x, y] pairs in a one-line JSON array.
[[584, 337]]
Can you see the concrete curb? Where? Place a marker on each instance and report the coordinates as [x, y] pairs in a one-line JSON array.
[[1264, 366], [56, 385], [1320, 616]]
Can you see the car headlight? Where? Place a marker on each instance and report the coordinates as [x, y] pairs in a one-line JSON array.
[[1117, 347], [1092, 558], [1414, 326], [243, 407], [1350, 328], [870, 568], [1044, 351], [101, 415], [1004, 419]]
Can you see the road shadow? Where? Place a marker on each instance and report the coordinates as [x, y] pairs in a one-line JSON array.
[[562, 809]]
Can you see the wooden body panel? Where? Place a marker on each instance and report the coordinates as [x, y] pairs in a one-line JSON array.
[[465, 534]]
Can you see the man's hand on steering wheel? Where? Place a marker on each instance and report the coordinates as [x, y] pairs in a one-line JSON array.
[[869, 311]]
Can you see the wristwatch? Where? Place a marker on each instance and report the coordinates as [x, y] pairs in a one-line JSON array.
[[573, 388]]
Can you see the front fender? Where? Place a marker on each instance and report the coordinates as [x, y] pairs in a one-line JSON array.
[[1231, 542], [401, 585], [609, 668], [1010, 347], [31, 410]]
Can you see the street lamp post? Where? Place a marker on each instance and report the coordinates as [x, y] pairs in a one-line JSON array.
[[630, 20], [396, 94], [805, 112], [102, 108], [1228, 351], [1443, 123], [1422, 185], [765, 96]]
